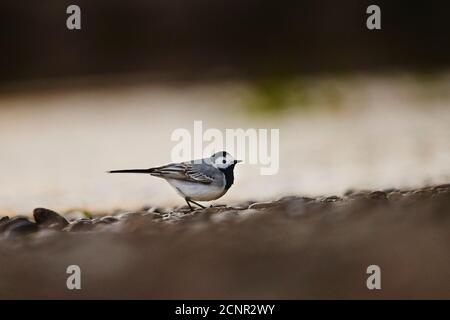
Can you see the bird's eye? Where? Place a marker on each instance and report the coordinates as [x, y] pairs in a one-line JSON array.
[[220, 161]]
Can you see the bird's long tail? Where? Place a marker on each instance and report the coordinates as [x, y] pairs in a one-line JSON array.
[[132, 171]]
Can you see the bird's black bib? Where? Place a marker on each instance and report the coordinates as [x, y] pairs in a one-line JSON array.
[[229, 176]]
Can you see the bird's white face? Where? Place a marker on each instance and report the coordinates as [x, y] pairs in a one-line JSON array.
[[223, 160]]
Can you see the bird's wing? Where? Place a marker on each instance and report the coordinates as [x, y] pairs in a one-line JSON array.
[[182, 171]]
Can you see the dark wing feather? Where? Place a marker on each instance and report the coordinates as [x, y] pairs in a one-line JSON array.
[[181, 171]]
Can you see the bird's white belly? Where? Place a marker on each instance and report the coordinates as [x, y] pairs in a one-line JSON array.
[[197, 191]]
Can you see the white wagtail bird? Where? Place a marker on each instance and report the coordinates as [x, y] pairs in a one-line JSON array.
[[197, 180]]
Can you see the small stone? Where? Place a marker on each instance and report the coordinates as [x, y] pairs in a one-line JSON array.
[[45, 218], [332, 199], [442, 188], [357, 195], [390, 190], [262, 205], [127, 215], [213, 210], [349, 192], [3, 219], [80, 225], [18, 226], [287, 198], [154, 210], [183, 210], [395, 196], [378, 195], [108, 219], [153, 215], [7, 222], [420, 194], [241, 205], [74, 215], [295, 198]]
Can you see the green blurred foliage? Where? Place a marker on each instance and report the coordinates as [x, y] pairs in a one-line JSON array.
[[273, 95]]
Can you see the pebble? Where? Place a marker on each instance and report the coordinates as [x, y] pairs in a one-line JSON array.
[[183, 209], [263, 205], [378, 195], [349, 192], [390, 190], [442, 188], [241, 205], [3, 219], [108, 219], [74, 215], [395, 196], [332, 199], [156, 210], [18, 226], [295, 198], [5, 223], [153, 215], [212, 210], [128, 215], [420, 194], [80, 225], [48, 218], [357, 195]]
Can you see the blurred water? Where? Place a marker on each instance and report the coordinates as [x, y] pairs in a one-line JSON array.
[[360, 132]]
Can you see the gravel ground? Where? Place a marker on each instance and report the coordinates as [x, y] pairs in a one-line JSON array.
[[292, 248]]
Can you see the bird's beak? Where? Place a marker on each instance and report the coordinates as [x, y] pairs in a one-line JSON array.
[[237, 161]]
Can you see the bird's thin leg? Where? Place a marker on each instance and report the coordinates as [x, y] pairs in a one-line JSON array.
[[203, 207], [187, 201]]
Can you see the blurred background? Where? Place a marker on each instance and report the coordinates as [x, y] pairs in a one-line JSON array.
[[356, 109]]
